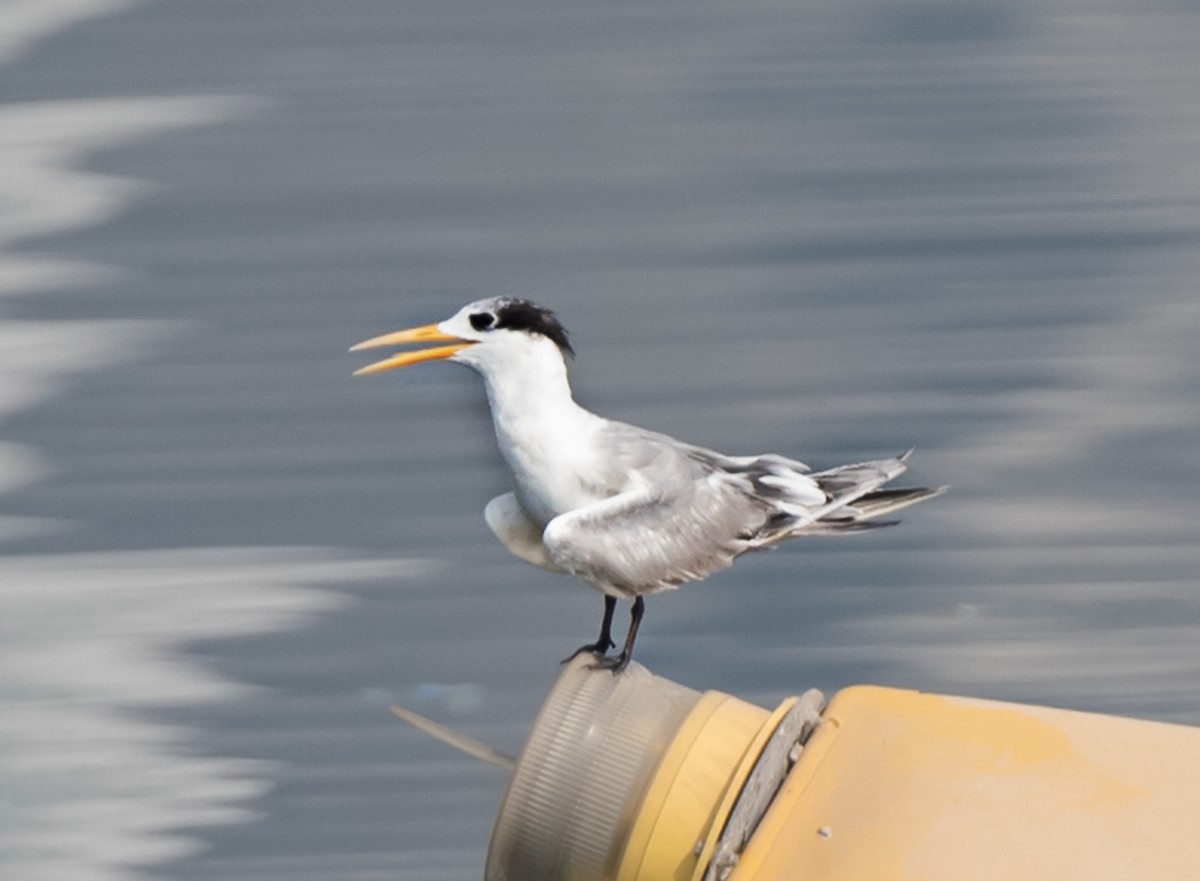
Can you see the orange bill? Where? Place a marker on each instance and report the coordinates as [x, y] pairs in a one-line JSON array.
[[427, 334]]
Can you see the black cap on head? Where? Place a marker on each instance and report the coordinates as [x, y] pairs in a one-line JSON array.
[[516, 314]]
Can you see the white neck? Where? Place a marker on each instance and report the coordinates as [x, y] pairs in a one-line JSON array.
[[529, 384], [542, 433], [531, 403]]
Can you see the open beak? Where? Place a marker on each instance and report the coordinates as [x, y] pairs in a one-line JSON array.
[[427, 334]]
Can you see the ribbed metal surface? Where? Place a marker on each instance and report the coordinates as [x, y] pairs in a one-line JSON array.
[[581, 776]]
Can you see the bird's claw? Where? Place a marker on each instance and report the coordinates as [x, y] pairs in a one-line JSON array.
[[592, 648], [615, 664]]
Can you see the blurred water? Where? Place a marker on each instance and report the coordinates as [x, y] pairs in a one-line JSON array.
[[833, 232]]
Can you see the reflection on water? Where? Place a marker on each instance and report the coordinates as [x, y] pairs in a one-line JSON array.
[[88, 644], [836, 233]]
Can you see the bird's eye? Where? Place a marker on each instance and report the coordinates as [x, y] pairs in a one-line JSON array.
[[482, 320]]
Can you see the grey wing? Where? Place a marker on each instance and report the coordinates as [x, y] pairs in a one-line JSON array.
[[663, 461], [649, 539]]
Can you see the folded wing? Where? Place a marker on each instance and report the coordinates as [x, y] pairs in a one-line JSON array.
[[690, 512]]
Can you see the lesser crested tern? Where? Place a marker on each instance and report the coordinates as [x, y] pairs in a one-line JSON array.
[[626, 510]]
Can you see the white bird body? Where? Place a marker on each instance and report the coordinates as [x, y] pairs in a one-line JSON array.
[[546, 439], [626, 510]]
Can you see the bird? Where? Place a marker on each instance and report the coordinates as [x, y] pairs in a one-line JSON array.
[[626, 510]]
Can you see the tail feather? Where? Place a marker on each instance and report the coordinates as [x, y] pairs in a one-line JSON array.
[[854, 501], [847, 484], [864, 512], [885, 501], [840, 527]]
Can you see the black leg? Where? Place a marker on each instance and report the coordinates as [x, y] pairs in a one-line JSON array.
[[604, 643], [619, 663]]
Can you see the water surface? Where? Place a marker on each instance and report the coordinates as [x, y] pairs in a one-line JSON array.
[[832, 232]]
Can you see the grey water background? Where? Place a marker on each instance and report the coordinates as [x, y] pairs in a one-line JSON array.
[[831, 230]]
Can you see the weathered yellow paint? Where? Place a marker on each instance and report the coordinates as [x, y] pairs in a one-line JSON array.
[[692, 777], [902, 786]]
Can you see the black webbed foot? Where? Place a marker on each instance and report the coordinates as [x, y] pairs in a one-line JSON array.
[[592, 648], [604, 642], [620, 662], [616, 663]]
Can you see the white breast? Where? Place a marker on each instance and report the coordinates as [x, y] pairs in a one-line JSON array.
[[553, 460], [548, 441]]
